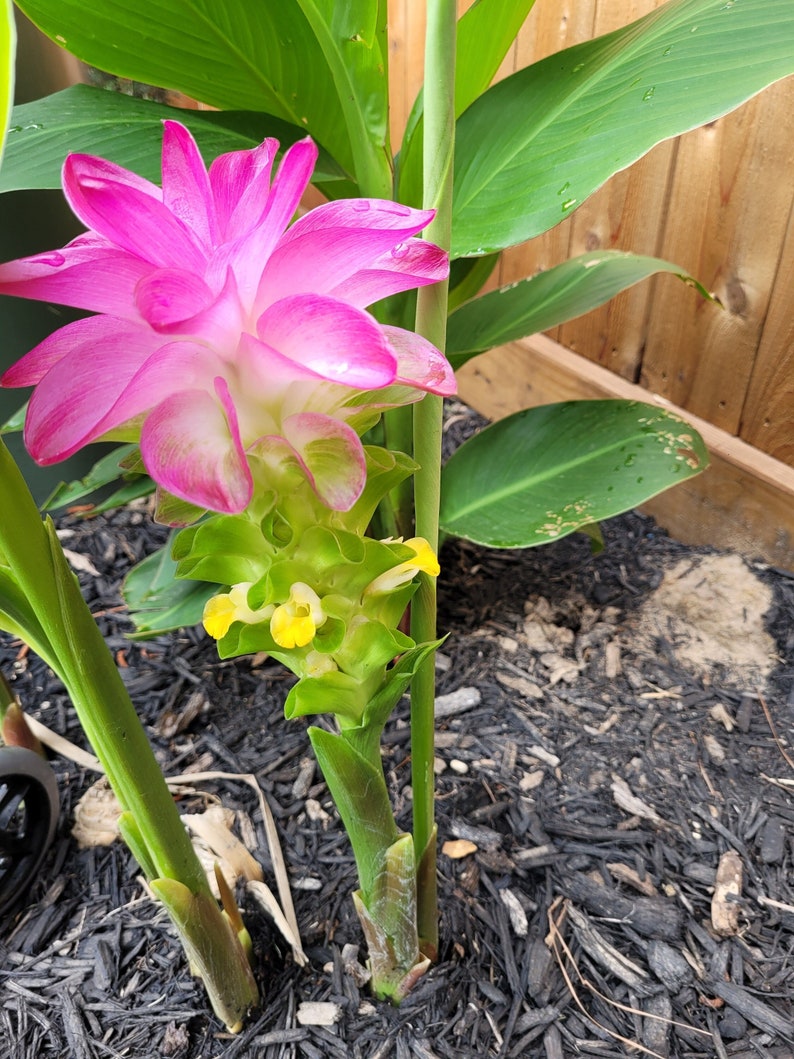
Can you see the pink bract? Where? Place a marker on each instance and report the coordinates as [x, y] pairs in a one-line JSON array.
[[225, 334]]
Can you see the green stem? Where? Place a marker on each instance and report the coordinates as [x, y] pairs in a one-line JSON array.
[[431, 322]]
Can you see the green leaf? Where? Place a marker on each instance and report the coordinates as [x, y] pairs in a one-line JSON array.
[[104, 471], [158, 602], [467, 276], [129, 132], [485, 33], [18, 618], [543, 473], [359, 791], [16, 422], [537, 144], [289, 59], [548, 299]]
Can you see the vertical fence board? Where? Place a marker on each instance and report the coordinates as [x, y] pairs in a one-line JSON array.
[[768, 418], [726, 224]]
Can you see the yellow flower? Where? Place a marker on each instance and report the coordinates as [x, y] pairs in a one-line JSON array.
[[295, 622], [424, 560], [222, 610]]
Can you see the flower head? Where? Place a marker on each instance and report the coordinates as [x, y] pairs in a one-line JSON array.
[[226, 339]]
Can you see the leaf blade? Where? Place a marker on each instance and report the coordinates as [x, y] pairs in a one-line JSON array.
[[546, 472], [537, 144], [129, 132], [549, 298]]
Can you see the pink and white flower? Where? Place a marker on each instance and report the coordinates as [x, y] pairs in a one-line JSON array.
[[224, 334]]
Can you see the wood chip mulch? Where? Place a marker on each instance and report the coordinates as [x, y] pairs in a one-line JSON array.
[[616, 870]]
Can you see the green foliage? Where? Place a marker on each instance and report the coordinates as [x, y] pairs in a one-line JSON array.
[[536, 145], [546, 472], [290, 60], [157, 601], [485, 33], [547, 299], [127, 131]]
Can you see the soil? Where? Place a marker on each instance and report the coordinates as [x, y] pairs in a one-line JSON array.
[[615, 777]]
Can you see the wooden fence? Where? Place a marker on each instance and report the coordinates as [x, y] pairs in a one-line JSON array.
[[717, 201]]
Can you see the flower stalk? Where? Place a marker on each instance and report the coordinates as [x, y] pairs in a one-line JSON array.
[[431, 323], [32, 558]]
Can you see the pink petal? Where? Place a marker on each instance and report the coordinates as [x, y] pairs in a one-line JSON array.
[[171, 368], [335, 241], [169, 296], [419, 363], [340, 343], [414, 263], [111, 201], [89, 273], [186, 186], [250, 253], [328, 452], [236, 179], [68, 406], [191, 447], [93, 330]]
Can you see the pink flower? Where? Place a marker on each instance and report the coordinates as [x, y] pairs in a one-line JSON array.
[[226, 339]]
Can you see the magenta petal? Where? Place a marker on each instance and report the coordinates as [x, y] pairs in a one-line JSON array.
[[250, 253], [191, 447], [169, 296], [419, 363], [175, 366], [89, 273], [414, 263], [89, 332], [69, 405], [339, 342], [335, 241], [127, 215], [186, 186], [235, 179]]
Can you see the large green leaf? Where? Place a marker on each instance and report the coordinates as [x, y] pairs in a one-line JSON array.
[[128, 131], [547, 299], [485, 33], [7, 51], [315, 64], [546, 472], [537, 144]]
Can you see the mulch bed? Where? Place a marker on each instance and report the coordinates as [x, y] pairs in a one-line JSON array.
[[599, 787]]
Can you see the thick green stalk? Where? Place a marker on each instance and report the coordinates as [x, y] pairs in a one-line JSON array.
[[33, 554], [431, 321]]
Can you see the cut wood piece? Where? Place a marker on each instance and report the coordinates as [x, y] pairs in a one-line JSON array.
[[743, 502]]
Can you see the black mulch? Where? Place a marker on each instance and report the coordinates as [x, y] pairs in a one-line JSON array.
[[575, 928]]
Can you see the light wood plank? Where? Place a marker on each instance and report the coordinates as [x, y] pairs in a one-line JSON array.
[[726, 225]]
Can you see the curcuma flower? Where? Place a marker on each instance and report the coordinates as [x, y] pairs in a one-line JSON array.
[[226, 339]]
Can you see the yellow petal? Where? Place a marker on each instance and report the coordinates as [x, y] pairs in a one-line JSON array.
[[425, 560], [218, 615]]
